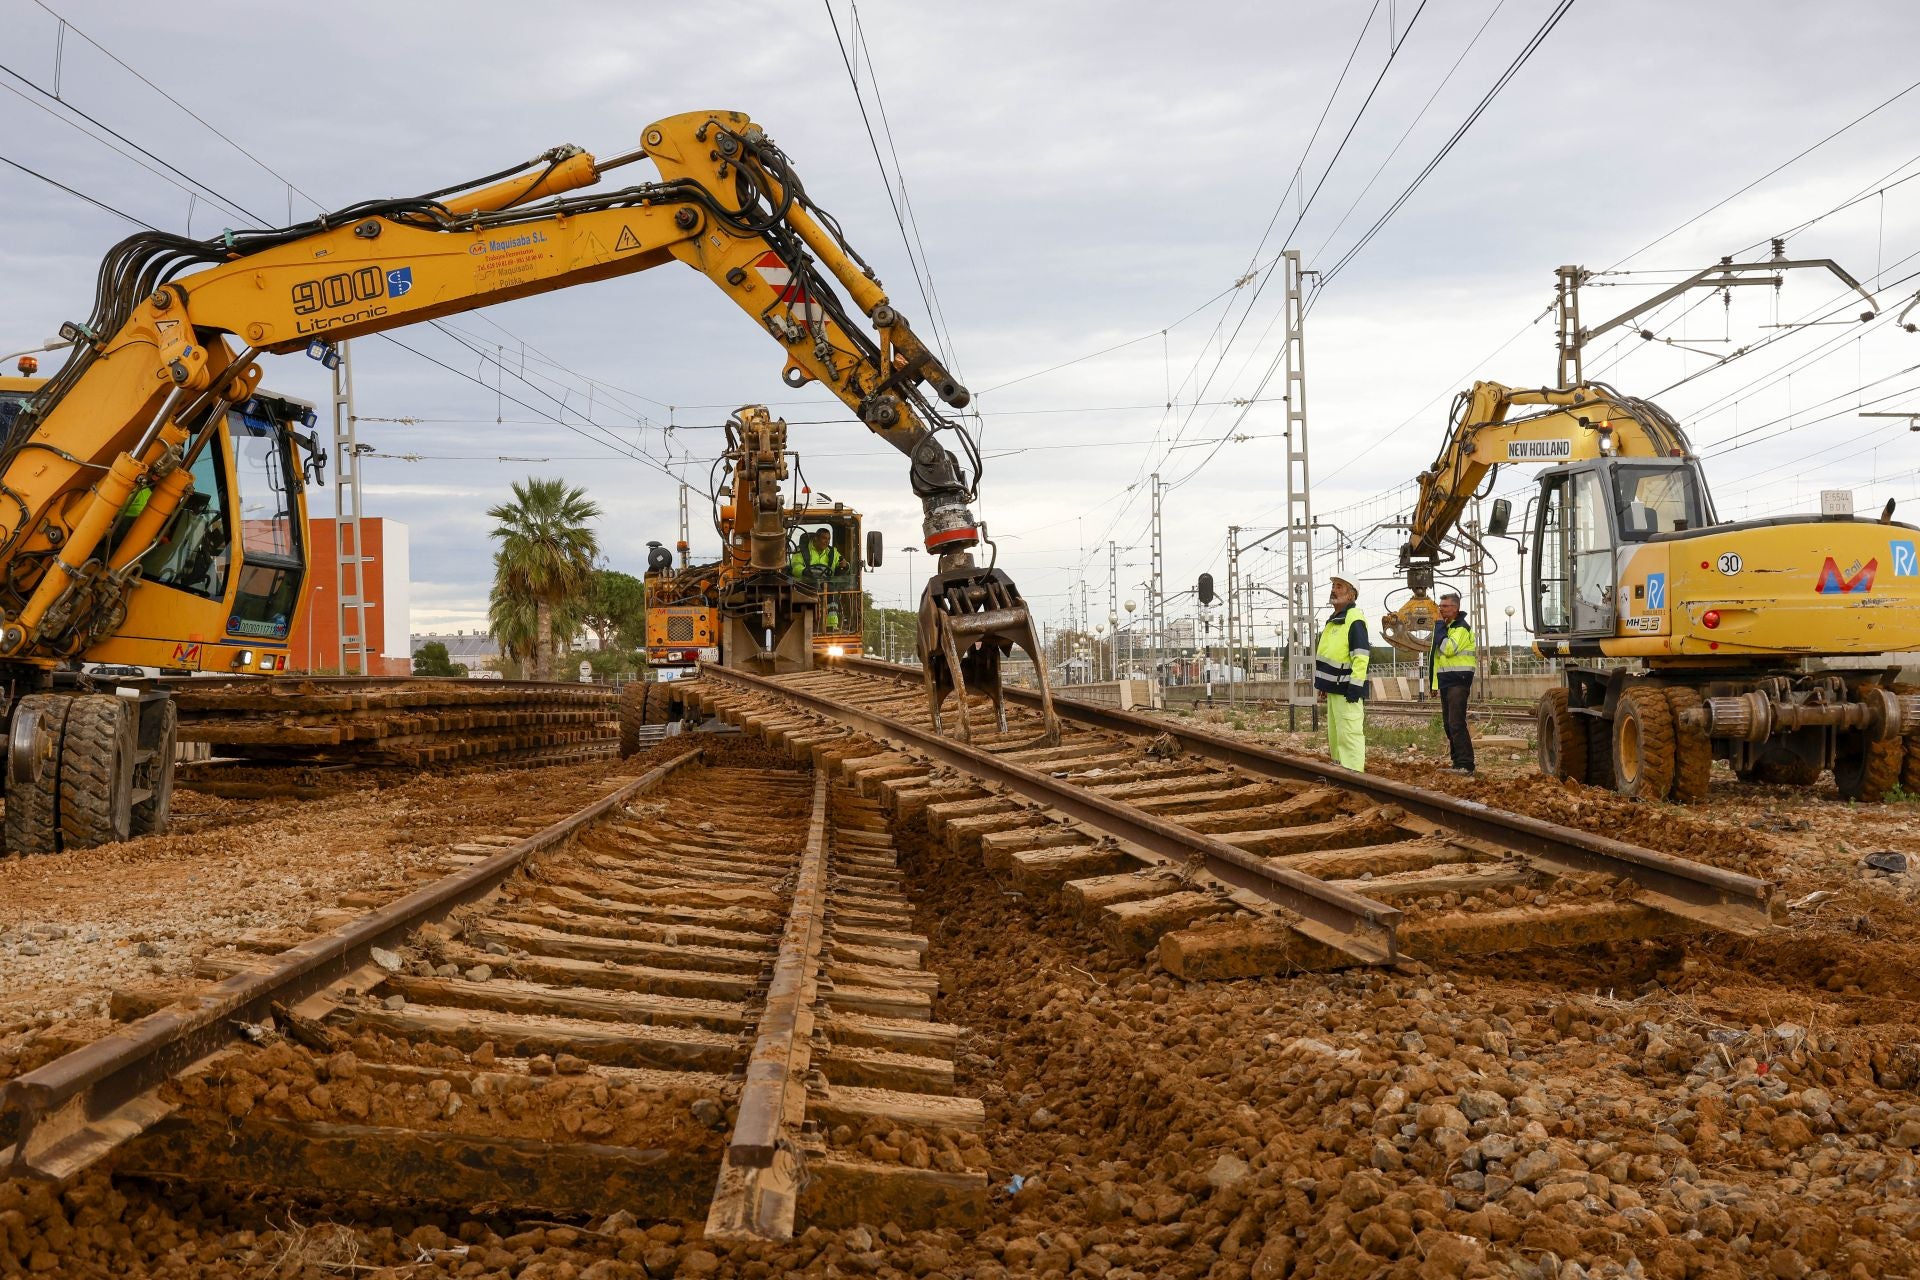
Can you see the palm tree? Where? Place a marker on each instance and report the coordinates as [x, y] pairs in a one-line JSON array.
[[511, 620], [545, 557]]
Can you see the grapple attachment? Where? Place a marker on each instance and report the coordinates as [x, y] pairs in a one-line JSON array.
[[1409, 628], [969, 619]]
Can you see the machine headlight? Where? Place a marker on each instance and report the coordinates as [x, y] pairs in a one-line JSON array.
[[836, 651]]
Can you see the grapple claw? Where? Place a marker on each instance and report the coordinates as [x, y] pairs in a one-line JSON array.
[[969, 619]]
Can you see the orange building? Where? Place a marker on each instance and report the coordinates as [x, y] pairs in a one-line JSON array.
[[315, 644]]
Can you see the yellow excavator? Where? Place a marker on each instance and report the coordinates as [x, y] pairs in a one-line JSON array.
[[117, 456], [749, 609], [217, 586], [1629, 561]]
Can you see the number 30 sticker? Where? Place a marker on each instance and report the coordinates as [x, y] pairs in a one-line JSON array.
[[1730, 563]]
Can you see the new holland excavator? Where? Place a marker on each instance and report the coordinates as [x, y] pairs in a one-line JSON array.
[[1627, 560], [153, 443], [747, 609]]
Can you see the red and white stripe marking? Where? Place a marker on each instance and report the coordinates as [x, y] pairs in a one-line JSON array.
[[777, 274]]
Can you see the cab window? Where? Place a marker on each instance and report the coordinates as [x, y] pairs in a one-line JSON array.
[[11, 402], [194, 551], [263, 480], [271, 569], [1651, 500]]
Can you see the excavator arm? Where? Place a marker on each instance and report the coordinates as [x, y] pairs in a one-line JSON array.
[[1588, 421], [1572, 424], [178, 325]]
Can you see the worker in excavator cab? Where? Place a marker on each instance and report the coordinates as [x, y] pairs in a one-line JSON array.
[[818, 563], [816, 559], [1450, 668], [1340, 677]]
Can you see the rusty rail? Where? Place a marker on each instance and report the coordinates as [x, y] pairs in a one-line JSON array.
[[1712, 896], [1356, 925], [79, 1107], [760, 1182]]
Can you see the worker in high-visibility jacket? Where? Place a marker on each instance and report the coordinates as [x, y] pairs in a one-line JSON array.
[[1340, 677], [816, 557], [1450, 667]]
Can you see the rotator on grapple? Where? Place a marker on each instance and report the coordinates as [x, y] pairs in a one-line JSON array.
[[970, 618]]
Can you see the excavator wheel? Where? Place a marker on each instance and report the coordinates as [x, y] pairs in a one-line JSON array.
[[1692, 749], [96, 771], [32, 825], [1643, 744], [1910, 765], [633, 709], [1866, 768], [659, 703], [1599, 752], [159, 729], [1560, 738]]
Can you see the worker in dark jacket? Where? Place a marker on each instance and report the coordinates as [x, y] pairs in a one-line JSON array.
[[1450, 667]]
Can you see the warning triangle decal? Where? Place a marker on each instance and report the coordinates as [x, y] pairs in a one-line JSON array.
[[627, 242]]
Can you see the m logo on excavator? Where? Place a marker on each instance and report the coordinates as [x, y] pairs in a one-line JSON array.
[[1858, 580]]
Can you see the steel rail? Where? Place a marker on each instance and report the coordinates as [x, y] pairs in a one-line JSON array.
[[1356, 925], [80, 1106], [1692, 884]]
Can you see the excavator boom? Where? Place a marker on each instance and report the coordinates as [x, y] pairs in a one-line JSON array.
[[98, 466]]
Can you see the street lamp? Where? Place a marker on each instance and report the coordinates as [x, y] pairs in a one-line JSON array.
[[1099, 629], [1509, 639], [1130, 606], [907, 560]]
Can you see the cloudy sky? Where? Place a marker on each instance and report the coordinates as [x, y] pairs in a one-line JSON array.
[[1085, 178]]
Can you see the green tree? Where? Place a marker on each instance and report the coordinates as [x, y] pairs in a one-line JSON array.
[[511, 620], [544, 561], [432, 660], [616, 608]]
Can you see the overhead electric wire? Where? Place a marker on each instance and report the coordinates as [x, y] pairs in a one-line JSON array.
[[201, 192], [81, 195], [1411, 126], [938, 312], [1784, 164], [873, 141], [1533, 44], [211, 192]]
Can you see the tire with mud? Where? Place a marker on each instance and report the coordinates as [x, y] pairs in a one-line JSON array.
[[1867, 769], [1692, 749], [31, 823], [1910, 764], [1560, 737], [633, 714], [1643, 744], [659, 703], [96, 772], [159, 730]]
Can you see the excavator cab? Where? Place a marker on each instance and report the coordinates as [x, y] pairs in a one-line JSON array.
[[1587, 518], [229, 569], [824, 558]]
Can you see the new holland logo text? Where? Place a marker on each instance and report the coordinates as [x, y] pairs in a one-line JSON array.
[[356, 295]]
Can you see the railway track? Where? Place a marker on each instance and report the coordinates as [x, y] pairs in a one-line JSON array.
[[696, 997], [1489, 714], [1226, 858]]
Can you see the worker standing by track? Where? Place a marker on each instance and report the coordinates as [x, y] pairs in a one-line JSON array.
[[1340, 677], [1450, 667]]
